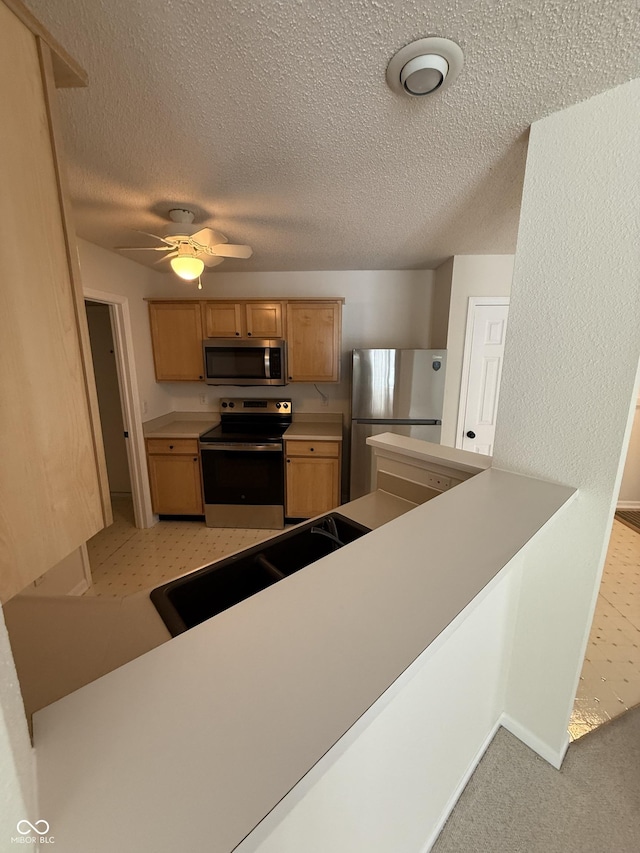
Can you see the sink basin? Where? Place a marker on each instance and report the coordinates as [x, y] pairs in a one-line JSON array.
[[190, 600]]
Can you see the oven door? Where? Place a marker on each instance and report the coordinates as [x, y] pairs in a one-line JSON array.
[[243, 485]]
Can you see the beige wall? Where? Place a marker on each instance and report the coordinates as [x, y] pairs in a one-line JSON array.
[[104, 368], [456, 281], [630, 489], [66, 578]]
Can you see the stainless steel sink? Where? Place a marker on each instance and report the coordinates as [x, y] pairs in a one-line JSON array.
[[190, 600]]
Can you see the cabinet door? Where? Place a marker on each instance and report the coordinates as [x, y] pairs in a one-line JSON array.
[[313, 334], [175, 484], [313, 485], [264, 319], [176, 334], [223, 320], [50, 488]]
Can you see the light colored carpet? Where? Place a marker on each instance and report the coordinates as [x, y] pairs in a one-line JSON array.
[[517, 803]]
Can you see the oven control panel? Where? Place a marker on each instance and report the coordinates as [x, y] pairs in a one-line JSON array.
[[241, 405]]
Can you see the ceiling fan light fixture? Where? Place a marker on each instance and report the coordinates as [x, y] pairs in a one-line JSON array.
[[186, 265], [425, 66]]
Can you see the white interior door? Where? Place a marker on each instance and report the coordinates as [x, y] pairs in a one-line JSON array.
[[482, 371]]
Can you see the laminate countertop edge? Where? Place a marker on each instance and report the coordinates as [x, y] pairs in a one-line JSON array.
[[225, 719]]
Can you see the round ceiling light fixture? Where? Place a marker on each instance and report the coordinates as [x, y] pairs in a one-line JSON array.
[[425, 66]]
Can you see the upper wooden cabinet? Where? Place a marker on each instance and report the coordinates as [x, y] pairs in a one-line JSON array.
[[314, 336], [243, 319], [264, 319], [54, 490], [176, 335], [311, 327], [223, 320]]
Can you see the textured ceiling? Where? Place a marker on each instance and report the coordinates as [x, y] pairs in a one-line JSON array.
[[272, 120]]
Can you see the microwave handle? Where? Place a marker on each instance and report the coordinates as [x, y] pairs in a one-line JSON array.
[[267, 363]]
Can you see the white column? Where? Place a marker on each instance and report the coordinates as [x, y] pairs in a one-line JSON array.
[[568, 382]]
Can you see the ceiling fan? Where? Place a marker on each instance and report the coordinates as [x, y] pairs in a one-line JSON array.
[[189, 250]]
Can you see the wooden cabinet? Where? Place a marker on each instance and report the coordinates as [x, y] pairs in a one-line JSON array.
[[311, 327], [264, 319], [312, 477], [223, 320], [243, 319], [176, 335], [174, 476], [54, 490], [314, 337]]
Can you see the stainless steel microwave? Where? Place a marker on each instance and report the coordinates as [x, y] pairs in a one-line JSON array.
[[228, 361]]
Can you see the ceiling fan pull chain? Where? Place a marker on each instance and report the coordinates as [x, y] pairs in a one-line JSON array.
[[199, 282]]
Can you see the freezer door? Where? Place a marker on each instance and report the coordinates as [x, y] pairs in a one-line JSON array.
[[398, 383], [362, 457]]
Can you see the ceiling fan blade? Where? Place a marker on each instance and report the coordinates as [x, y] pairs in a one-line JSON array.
[[208, 237], [211, 260], [144, 248], [167, 257], [229, 250], [155, 237]]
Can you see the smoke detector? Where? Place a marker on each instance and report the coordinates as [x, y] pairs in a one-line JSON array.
[[425, 66]]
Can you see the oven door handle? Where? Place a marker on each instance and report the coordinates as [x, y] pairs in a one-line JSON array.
[[267, 363], [271, 448]]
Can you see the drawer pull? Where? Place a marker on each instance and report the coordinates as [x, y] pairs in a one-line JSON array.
[[171, 447]]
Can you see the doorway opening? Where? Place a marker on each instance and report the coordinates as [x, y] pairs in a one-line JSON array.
[[120, 416], [609, 682]]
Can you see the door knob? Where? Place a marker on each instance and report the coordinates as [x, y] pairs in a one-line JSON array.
[[471, 434]]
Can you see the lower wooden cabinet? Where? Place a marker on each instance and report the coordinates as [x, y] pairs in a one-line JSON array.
[[174, 476], [312, 477]]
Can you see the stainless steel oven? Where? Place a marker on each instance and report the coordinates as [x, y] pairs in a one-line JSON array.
[[228, 361], [243, 464]]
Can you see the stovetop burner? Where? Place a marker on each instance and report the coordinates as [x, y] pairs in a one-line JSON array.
[[243, 420]]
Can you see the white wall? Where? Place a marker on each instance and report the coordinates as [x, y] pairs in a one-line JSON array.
[[466, 276], [390, 782], [569, 381], [18, 800], [383, 308], [107, 271], [629, 496]]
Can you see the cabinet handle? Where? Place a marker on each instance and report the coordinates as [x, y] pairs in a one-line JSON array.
[[238, 333], [200, 377], [312, 449], [288, 461], [171, 447], [248, 334], [195, 458]]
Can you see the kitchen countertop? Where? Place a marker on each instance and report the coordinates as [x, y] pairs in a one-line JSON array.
[[307, 427], [427, 451], [314, 431], [225, 719], [180, 425]]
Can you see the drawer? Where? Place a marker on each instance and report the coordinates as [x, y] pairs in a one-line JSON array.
[[312, 448], [172, 445]]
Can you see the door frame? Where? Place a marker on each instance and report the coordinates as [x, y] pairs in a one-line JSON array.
[[474, 302], [130, 401]]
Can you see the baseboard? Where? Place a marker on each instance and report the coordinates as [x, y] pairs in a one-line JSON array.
[[628, 505], [79, 588], [554, 757], [455, 796]]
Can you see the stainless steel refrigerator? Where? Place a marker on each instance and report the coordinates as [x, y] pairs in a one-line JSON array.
[[393, 390]]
